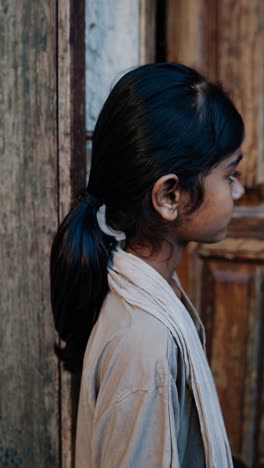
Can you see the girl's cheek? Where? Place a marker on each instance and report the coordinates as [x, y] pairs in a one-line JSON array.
[[237, 190]]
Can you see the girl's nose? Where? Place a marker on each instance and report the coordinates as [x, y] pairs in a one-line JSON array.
[[237, 190]]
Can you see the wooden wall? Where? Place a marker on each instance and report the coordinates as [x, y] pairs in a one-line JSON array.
[[28, 180], [41, 127]]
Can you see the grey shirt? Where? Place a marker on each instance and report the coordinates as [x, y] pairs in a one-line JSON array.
[[135, 409]]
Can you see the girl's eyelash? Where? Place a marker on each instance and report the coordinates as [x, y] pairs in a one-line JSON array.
[[233, 176]]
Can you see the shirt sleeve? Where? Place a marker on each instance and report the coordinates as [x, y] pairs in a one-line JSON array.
[[139, 431]]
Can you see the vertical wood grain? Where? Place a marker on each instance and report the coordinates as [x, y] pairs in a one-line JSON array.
[[233, 318], [64, 190], [225, 40], [147, 39], [241, 69], [260, 370], [192, 34], [71, 173], [28, 367]]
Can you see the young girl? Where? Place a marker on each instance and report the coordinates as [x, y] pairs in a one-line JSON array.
[[165, 149]]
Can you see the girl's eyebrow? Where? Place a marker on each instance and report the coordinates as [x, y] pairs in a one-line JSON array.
[[235, 162]]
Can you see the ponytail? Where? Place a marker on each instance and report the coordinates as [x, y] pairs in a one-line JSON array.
[[78, 272]]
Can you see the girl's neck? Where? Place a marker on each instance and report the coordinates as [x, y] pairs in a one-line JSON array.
[[164, 261]]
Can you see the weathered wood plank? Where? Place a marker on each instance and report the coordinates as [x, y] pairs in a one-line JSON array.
[[147, 39], [241, 69], [64, 109], [28, 367], [260, 407], [192, 35], [232, 314], [227, 47], [71, 175], [64, 194]]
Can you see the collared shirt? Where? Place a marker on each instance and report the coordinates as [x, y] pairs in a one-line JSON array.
[[135, 408]]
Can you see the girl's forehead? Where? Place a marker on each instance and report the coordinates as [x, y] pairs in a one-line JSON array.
[[232, 160]]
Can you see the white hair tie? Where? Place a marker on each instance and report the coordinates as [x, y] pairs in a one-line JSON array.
[[118, 235]]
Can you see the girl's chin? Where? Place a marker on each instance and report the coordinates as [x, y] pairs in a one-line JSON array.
[[205, 237], [221, 235], [216, 237]]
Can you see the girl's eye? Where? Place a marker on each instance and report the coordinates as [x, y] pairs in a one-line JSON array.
[[233, 176]]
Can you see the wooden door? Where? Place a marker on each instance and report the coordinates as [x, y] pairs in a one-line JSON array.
[[28, 367], [41, 129], [224, 39]]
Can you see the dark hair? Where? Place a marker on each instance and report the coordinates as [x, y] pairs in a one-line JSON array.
[[158, 119]]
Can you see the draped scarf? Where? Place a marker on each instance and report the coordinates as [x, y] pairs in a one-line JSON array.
[[140, 285]]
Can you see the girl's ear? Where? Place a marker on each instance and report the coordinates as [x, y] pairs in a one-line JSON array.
[[166, 196]]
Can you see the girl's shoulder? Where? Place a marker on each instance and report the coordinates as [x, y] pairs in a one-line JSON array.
[[132, 346], [133, 328]]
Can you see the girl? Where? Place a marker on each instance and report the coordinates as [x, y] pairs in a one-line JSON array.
[[165, 148]]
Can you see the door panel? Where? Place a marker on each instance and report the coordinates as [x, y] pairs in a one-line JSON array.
[[240, 65], [225, 41], [232, 314], [230, 299]]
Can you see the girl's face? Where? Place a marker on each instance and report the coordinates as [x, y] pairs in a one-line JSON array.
[[209, 222]]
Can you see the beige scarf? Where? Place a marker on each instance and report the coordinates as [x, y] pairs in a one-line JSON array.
[[142, 286]]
